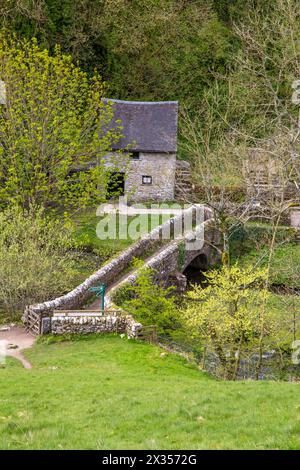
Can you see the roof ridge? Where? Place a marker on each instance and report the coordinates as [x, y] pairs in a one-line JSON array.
[[141, 102]]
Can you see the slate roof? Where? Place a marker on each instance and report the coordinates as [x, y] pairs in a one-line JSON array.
[[147, 126]]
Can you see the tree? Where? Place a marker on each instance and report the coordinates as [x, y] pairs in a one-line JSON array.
[[216, 166], [53, 124], [148, 302], [146, 49], [36, 260], [262, 86], [230, 315], [247, 122]]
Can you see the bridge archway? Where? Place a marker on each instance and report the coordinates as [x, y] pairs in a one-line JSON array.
[[199, 262], [194, 270]]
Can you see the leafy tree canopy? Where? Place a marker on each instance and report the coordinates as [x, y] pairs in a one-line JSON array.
[[54, 122]]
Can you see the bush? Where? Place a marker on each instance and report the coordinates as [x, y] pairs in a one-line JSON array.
[[36, 260], [147, 302], [231, 316], [123, 294]]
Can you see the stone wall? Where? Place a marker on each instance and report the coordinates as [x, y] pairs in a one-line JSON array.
[[161, 168], [183, 182], [89, 322], [84, 324]]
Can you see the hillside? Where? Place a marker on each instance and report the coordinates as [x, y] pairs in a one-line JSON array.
[[111, 393]]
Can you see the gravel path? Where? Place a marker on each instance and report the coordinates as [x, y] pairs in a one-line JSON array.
[[17, 339]]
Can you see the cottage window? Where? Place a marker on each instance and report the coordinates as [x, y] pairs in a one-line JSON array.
[[135, 155], [147, 179]]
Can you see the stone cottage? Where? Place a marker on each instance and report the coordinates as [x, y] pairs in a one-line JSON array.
[[150, 137]]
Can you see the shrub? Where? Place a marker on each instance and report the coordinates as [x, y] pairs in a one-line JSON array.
[[230, 316], [36, 262], [123, 294], [151, 304]]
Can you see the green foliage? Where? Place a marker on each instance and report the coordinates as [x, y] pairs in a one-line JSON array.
[[268, 60], [165, 42], [146, 49], [52, 124], [235, 10], [249, 244], [285, 309], [124, 293], [36, 261], [255, 236], [284, 268], [230, 314], [149, 303]]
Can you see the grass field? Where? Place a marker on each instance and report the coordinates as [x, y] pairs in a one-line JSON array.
[[86, 224], [111, 393]]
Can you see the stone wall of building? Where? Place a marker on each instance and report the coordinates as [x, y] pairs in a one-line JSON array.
[[161, 168]]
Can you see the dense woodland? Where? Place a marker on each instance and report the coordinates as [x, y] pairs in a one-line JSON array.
[[230, 63], [157, 49]]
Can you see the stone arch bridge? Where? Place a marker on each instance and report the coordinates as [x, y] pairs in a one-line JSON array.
[[171, 262], [168, 258]]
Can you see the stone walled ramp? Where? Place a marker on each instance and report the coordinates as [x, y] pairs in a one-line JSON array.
[[123, 279]]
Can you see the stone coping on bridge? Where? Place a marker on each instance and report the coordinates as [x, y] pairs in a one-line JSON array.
[[84, 313]]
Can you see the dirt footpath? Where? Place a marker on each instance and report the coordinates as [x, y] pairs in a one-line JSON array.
[[17, 339]]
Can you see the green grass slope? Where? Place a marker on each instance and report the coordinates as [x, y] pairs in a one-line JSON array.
[[111, 393]]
